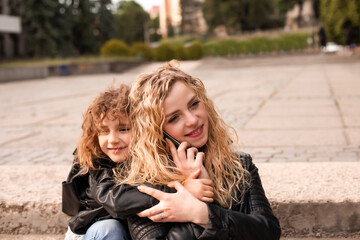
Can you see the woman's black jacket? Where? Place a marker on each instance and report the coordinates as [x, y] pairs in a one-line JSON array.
[[250, 220]]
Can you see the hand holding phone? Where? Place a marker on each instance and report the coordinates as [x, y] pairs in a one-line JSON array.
[[176, 142], [186, 158]]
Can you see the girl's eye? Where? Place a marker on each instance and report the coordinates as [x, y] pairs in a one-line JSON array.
[[124, 129], [104, 131]]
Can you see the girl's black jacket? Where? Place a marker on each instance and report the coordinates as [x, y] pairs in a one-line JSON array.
[[251, 219]]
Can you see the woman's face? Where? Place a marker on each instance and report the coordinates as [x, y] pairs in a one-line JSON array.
[[186, 118]]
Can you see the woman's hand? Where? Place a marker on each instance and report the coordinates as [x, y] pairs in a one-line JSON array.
[[181, 206], [187, 159]]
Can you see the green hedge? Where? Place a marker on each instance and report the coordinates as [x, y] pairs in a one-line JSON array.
[[258, 45], [114, 48], [164, 52], [141, 50], [196, 50]]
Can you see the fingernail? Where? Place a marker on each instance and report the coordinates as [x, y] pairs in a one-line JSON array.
[[139, 187]]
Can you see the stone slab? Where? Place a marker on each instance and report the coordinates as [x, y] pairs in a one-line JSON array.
[[295, 122], [306, 197], [289, 137]]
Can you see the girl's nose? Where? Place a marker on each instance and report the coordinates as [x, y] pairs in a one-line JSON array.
[[113, 137]]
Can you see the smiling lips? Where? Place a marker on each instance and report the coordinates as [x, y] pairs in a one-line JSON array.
[[197, 132], [116, 150]]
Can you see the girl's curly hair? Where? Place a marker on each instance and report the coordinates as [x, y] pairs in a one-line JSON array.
[[113, 102]]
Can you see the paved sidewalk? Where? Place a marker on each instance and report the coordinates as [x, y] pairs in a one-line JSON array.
[[298, 116], [284, 109]]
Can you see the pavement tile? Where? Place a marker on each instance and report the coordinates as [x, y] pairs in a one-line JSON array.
[[298, 111], [353, 135], [319, 159], [352, 121], [294, 122], [269, 138]]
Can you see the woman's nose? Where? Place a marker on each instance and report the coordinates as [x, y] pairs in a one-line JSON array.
[[191, 119]]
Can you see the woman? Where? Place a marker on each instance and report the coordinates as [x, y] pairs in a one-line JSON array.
[[172, 101]]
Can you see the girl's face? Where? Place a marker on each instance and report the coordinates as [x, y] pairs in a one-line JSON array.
[[114, 138], [186, 118]]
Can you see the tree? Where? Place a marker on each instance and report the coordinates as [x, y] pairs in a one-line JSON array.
[[340, 16], [105, 24], [63, 21], [154, 25], [239, 15], [40, 35], [230, 13], [130, 20], [83, 29], [259, 13]]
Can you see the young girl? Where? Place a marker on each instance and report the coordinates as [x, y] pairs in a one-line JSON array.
[[172, 101], [104, 144], [97, 205]]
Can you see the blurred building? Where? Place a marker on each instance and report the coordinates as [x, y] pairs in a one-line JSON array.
[[188, 13], [170, 17], [10, 28], [300, 16], [193, 20], [154, 11]]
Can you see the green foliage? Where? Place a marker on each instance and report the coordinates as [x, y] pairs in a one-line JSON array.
[[194, 51], [238, 15], [105, 19], [222, 48], [258, 45], [63, 21], [37, 22], [164, 52], [83, 30], [114, 48], [129, 20], [285, 5], [154, 26], [337, 16], [180, 53], [258, 14], [141, 50]]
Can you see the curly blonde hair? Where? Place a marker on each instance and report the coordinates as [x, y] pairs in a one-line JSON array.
[[150, 154], [113, 102]]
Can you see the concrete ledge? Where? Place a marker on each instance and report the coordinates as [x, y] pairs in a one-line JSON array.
[[304, 199], [16, 74], [24, 73]]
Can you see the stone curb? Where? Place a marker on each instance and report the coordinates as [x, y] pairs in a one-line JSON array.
[[310, 199]]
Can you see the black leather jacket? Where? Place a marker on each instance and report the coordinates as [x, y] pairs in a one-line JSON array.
[[94, 196], [253, 219], [250, 220]]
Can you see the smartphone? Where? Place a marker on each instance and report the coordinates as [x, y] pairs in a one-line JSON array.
[[176, 142]]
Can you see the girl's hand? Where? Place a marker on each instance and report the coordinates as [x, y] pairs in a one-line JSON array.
[[187, 160], [181, 206], [202, 189]]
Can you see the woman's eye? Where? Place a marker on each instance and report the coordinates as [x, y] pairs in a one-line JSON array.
[[173, 118], [195, 104]]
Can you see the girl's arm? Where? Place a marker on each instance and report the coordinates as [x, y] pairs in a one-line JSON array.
[[120, 201]]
